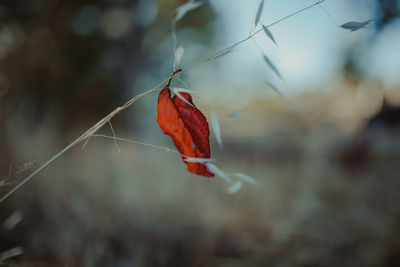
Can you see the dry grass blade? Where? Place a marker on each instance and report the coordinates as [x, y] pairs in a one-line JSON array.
[[176, 89], [216, 128], [355, 25], [217, 171], [269, 34], [178, 56], [246, 178], [272, 66], [198, 160], [235, 187], [259, 13], [273, 87]]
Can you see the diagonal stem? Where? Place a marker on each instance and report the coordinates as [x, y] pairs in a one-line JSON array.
[[91, 131]]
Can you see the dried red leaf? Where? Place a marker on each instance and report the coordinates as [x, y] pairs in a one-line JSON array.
[[187, 127]]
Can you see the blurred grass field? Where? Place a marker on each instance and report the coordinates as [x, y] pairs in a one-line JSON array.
[[324, 198]]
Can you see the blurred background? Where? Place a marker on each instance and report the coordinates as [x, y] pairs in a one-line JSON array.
[[326, 153]]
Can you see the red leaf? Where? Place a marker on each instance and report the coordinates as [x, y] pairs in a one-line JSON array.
[[187, 127]]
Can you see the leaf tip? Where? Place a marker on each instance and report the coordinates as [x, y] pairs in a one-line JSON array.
[[259, 13]]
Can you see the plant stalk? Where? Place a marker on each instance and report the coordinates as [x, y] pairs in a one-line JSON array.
[[92, 130]]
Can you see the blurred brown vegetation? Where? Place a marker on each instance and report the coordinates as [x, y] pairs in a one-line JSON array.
[[327, 163]]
